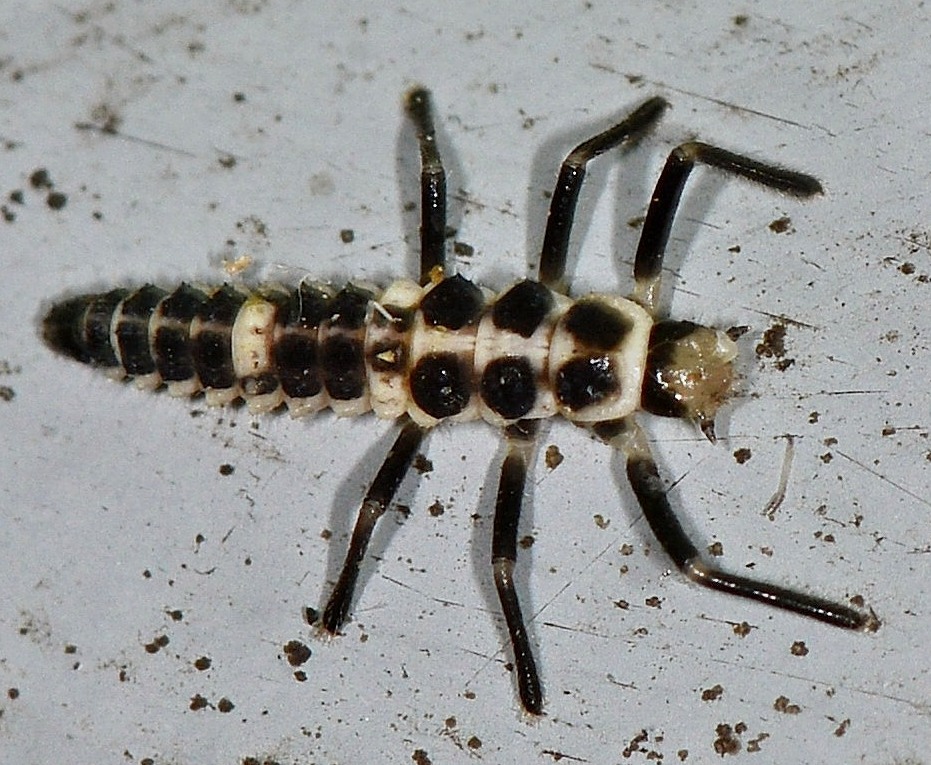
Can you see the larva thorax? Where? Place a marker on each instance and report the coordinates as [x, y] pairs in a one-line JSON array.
[[449, 350]]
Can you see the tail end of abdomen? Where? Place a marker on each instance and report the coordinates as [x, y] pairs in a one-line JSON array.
[[79, 328]]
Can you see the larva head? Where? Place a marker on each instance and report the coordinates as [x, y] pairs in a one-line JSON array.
[[689, 372]]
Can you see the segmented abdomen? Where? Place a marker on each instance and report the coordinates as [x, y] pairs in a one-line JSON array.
[[447, 350]]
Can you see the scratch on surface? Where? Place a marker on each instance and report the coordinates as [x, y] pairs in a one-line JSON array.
[[726, 104], [885, 479], [104, 130], [920, 706]]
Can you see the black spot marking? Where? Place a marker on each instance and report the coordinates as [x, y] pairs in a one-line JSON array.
[[596, 325], [656, 396], [132, 330], [295, 356], [212, 346], [307, 307], [584, 382], [522, 308], [508, 387], [343, 367], [453, 303], [347, 308], [440, 385], [172, 346]]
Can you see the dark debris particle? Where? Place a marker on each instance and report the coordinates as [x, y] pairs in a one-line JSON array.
[[225, 705], [202, 663], [157, 644], [737, 332], [526, 542], [311, 615], [17, 197], [259, 761], [8, 215], [841, 729], [716, 549], [727, 741], [12, 693], [176, 614], [774, 342], [347, 236], [420, 757], [633, 747], [553, 457], [742, 629], [713, 693], [71, 649], [753, 745], [298, 653], [40, 179], [436, 509], [239, 97], [742, 455], [781, 225], [227, 161], [463, 250], [226, 469], [784, 705], [474, 742], [7, 393], [422, 464], [56, 200], [198, 702]]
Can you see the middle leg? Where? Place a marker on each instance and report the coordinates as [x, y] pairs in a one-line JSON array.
[[520, 437], [569, 184]]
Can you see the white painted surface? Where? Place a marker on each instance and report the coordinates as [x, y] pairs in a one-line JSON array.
[[105, 491]]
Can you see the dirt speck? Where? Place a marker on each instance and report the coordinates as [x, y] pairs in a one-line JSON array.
[[781, 225], [296, 652], [742, 455]]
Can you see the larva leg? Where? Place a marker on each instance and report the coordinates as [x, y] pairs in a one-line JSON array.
[[569, 184], [504, 557], [432, 185], [665, 201], [377, 499], [651, 495]]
